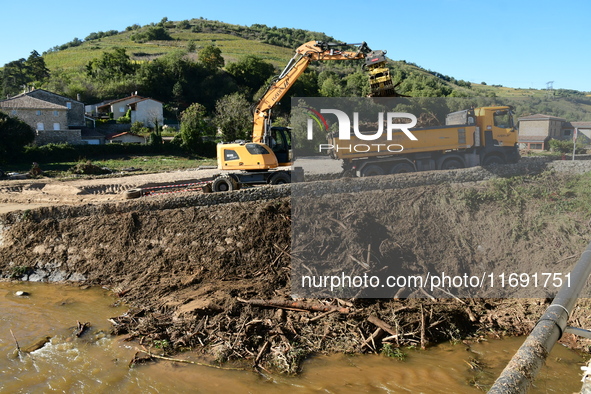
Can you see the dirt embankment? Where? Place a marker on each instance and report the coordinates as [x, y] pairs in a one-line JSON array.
[[191, 271]]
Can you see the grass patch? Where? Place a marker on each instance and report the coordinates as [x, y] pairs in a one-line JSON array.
[[141, 164]]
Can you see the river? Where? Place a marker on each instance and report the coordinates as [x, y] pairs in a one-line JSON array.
[[97, 362]]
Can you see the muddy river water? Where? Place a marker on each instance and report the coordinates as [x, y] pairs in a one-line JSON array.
[[98, 363]]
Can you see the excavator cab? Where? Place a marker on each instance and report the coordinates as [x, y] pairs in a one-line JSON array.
[[279, 140]]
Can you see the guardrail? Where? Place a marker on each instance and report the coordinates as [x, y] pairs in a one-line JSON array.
[[523, 367]]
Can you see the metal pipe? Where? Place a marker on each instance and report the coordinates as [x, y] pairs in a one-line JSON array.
[[520, 372]]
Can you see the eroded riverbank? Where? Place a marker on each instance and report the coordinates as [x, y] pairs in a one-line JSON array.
[[190, 266]]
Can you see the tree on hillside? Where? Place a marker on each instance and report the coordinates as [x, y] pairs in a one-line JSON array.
[[211, 58], [233, 117], [36, 67], [14, 135], [152, 33], [111, 65], [14, 77], [194, 125], [251, 72]]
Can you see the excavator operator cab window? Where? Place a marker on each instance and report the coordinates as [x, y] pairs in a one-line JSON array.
[[280, 140], [256, 149], [230, 154], [503, 119]]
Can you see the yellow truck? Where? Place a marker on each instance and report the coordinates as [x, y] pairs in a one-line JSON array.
[[479, 136]]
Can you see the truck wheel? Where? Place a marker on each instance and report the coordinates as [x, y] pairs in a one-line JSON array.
[[133, 193], [492, 160], [372, 170], [401, 168], [224, 184], [452, 164], [279, 178]]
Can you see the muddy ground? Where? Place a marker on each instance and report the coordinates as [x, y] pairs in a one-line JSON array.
[[217, 278]]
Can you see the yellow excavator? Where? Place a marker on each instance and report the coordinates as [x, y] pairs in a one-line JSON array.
[[271, 146]]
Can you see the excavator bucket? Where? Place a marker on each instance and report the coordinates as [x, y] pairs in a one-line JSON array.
[[380, 80]]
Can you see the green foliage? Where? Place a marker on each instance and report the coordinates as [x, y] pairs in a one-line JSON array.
[[85, 167], [19, 73], [14, 136], [111, 65], [175, 78], [185, 24], [139, 128], [152, 33], [565, 146], [251, 73], [233, 117], [194, 126], [125, 119], [191, 46], [211, 58], [155, 141], [101, 34], [18, 271], [59, 153], [393, 352]]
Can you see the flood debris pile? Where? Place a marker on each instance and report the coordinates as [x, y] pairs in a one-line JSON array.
[[217, 278]]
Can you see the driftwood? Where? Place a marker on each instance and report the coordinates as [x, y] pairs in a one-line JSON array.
[[382, 324], [423, 338], [15, 341], [370, 341], [81, 328], [296, 305], [177, 360]]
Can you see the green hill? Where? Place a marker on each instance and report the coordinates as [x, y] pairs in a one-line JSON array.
[[164, 64]]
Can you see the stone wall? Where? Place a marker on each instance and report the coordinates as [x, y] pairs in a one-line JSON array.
[[45, 137]]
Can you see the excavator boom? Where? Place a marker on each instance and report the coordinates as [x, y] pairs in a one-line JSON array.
[[306, 53]]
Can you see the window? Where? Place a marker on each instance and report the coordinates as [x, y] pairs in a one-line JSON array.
[[230, 154], [38, 112], [56, 126], [14, 112], [56, 113], [122, 109], [40, 126], [535, 146], [503, 119], [567, 132], [256, 149], [69, 105]]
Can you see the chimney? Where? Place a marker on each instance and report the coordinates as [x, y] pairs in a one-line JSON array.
[[78, 96]]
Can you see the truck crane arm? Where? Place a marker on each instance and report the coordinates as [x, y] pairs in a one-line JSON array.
[[308, 52]]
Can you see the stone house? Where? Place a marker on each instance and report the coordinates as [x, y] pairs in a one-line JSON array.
[[536, 130], [55, 118]]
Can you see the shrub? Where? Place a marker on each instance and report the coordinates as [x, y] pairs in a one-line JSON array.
[[564, 146]]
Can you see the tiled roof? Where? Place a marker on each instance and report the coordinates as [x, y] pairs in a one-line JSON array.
[[136, 97], [540, 117], [25, 102], [110, 137]]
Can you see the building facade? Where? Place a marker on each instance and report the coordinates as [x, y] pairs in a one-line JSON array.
[[54, 118]]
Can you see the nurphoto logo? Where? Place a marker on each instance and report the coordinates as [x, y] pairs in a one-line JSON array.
[[344, 129]]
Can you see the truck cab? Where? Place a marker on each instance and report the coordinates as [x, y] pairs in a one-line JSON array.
[[498, 131]]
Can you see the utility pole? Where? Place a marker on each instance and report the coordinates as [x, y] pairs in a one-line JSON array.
[[575, 134], [549, 89]]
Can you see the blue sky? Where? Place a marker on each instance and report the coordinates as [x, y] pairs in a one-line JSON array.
[[512, 43]]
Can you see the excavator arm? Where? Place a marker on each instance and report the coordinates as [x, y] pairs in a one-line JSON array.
[[308, 52]]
